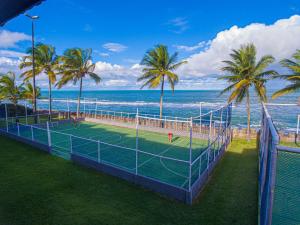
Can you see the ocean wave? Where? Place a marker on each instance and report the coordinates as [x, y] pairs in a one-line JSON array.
[[140, 103]]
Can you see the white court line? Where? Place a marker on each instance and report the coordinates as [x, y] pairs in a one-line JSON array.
[[159, 154], [172, 171]]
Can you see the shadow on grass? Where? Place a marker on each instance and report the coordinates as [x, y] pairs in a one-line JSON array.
[[36, 188]]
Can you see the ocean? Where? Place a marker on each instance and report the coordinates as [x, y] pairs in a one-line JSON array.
[[186, 103]]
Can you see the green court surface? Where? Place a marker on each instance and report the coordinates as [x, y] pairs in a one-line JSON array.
[[156, 158], [286, 206]]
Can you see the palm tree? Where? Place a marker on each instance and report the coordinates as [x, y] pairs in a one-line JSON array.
[[76, 64], [245, 72], [159, 68], [294, 77], [45, 63], [10, 90], [27, 92]]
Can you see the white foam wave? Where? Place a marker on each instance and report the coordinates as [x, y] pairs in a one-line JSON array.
[[139, 103]]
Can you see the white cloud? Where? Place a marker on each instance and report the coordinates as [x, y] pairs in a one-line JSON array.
[[280, 39], [103, 54], [114, 47], [186, 48], [178, 25], [11, 54], [9, 64], [112, 71], [116, 83], [9, 39]]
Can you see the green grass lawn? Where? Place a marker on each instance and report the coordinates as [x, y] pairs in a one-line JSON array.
[[37, 188], [290, 144]]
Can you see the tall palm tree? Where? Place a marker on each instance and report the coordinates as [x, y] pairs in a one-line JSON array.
[[294, 77], [45, 63], [159, 68], [76, 64], [10, 90], [245, 72]]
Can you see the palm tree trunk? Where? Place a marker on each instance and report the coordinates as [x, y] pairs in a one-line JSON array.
[[50, 100], [79, 96], [161, 97], [248, 116]]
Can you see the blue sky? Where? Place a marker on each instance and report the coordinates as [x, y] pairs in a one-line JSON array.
[[119, 32]]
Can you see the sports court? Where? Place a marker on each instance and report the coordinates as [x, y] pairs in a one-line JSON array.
[[171, 155], [157, 157]]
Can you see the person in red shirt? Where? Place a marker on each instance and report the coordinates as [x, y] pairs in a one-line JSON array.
[[170, 136]]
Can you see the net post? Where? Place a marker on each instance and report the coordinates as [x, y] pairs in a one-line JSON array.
[[98, 148], [190, 154], [49, 135], [136, 141], [6, 116]]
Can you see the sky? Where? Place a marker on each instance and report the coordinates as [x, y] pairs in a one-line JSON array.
[[120, 32]]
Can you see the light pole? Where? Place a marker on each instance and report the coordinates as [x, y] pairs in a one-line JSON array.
[[32, 18]]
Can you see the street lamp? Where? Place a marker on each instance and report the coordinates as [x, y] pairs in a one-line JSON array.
[[32, 18]]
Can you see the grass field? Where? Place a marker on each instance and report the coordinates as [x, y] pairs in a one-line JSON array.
[[37, 188], [157, 158]]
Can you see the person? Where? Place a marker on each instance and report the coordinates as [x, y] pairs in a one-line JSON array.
[[74, 121], [170, 136]]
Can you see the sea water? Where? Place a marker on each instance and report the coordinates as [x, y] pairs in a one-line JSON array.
[[186, 103]]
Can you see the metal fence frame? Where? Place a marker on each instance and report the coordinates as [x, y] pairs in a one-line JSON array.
[[187, 195], [269, 146]]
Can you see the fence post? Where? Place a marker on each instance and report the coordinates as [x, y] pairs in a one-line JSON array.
[[84, 106], [209, 139], [226, 124], [26, 116], [98, 146], [297, 130], [71, 145], [200, 159], [6, 116], [136, 141], [49, 135], [96, 108], [200, 117], [68, 107], [190, 157], [32, 136], [18, 128], [220, 130]]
